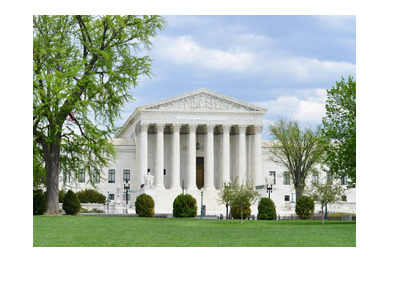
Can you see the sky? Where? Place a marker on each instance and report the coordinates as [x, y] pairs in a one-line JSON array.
[[281, 63]]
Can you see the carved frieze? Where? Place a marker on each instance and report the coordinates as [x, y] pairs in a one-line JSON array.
[[202, 101]]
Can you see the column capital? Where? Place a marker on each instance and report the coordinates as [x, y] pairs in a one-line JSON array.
[[226, 128], [210, 128], [192, 127], [258, 129], [242, 128], [144, 127], [176, 127], [160, 127]]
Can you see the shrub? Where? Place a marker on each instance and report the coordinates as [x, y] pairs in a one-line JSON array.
[[235, 209], [61, 195], [184, 206], [91, 196], [304, 207], [39, 203], [266, 209], [71, 204], [144, 205]]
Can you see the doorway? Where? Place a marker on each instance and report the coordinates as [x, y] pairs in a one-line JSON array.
[[199, 172]]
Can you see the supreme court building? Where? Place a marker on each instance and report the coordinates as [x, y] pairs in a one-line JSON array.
[[192, 143]]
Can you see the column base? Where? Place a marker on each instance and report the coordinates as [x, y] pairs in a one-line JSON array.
[[176, 188], [209, 188], [160, 188], [192, 189]]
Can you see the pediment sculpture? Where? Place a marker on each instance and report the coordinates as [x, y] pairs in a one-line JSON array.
[[202, 101]]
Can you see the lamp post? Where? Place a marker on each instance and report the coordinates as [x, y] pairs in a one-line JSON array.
[[127, 187], [291, 203], [201, 215], [268, 185], [108, 201]]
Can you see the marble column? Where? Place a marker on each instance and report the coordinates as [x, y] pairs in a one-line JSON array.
[[225, 158], [257, 160], [241, 154], [191, 158], [209, 159], [143, 152], [175, 168], [159, 157]]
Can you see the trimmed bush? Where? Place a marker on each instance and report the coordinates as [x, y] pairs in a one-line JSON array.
[[71, 204], [61, 195], [185, 206], [235, 209], [304, 207], [144, 205], [39, 203], [266, 209], [91, 196]]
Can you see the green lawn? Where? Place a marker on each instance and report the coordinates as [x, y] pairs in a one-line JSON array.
[[136, 231]]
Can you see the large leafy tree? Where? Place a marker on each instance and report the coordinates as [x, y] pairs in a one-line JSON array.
[[298, 149], [339, 129], [83, 68]]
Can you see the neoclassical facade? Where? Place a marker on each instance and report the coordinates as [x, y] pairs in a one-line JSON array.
[[193, 143]]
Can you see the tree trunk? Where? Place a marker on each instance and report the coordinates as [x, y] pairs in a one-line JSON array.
[[241, 211], [322, 213], [52, 159]]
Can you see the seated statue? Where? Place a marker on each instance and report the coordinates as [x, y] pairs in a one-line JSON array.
[[149, 179]]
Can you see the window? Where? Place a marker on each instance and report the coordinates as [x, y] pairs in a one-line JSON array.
[[81, 176], [111, 175], [315, 177], [328, 177], [344, 198], [111, 197], [127, 175], [344, 179], [286, 178], [287, 198], [272, 173], [96, 176]]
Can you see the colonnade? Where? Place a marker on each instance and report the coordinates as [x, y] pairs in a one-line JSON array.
[[241, 170]]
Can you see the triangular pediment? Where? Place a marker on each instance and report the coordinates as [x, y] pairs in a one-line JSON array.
[[203, 99]]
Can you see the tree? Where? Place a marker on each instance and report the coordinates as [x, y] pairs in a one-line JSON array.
[[325, 193], [297, 149], [339, 129], [235, 192], [83, 67]]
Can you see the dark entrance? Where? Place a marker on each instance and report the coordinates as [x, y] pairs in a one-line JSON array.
[[199, 172]]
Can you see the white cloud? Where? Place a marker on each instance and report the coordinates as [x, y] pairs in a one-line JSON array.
[[307, 106], [184, 50], [238, 58], [307, 69]]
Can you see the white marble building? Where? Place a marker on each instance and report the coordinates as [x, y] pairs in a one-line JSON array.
[[193, 141]]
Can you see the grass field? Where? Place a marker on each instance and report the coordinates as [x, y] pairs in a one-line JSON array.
[[80, 231]]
